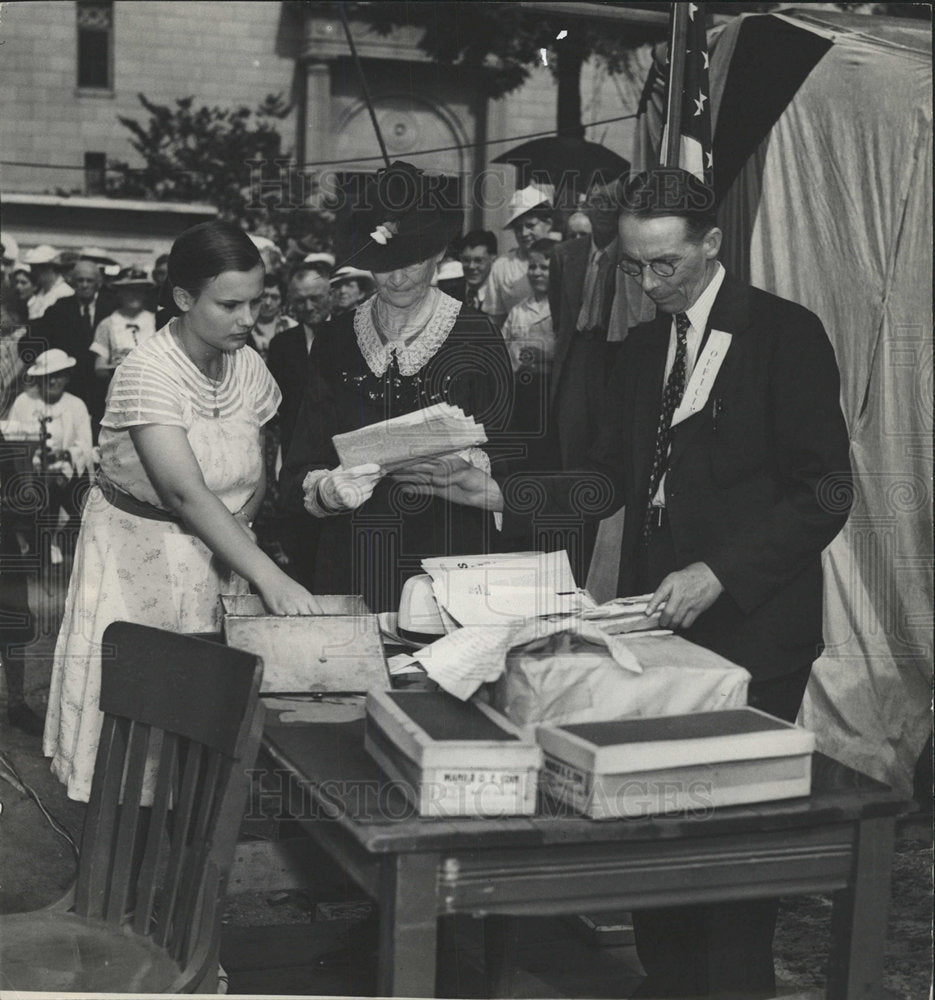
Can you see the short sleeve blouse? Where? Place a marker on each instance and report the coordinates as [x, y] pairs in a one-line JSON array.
[[159, 384]]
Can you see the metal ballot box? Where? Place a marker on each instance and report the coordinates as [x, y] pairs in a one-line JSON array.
[[337, 652]]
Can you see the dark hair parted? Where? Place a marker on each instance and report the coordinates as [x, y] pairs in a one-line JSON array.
[[670, 191], [544, 247], [479, 238], [203, 252]]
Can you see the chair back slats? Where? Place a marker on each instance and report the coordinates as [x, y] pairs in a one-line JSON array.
[[158, 833], [97, 842], [182, 721], [191, 760], [203, 822], [132, 825]]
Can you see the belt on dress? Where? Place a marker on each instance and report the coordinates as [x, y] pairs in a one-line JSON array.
[[129, 504]]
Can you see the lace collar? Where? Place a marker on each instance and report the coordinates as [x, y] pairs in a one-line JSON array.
[[413, 355]]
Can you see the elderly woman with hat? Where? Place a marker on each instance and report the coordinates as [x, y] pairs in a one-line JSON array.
[[408, 347]]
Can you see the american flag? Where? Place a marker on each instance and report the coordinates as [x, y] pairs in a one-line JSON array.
[[695, 148]]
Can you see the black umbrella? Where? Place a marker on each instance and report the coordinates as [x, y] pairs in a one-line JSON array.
[[565, 162]]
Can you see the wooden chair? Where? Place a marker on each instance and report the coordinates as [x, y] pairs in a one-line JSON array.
[[182, 725]]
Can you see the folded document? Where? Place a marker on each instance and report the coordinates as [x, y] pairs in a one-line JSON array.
[[393, 444]]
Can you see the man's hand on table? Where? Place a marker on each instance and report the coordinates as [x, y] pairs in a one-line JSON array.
[[684, 595]]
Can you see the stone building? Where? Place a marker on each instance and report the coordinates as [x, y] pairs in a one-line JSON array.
[[71, 67]]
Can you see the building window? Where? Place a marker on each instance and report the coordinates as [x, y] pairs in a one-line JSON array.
[[95, 44], [95, 172]]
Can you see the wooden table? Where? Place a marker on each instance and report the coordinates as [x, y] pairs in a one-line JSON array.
[[839, 841]]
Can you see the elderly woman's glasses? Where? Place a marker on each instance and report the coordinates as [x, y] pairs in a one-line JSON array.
[[661, 268]]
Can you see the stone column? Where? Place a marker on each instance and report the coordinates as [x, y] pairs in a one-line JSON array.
[[317, 138]]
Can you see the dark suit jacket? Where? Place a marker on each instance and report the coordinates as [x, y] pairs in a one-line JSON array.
[[567, 271], [756, 492], [455, 287], [288, 362], [60, 327], [580, 366]]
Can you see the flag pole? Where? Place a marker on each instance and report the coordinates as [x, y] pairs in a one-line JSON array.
[[678, 37], [365, 90]]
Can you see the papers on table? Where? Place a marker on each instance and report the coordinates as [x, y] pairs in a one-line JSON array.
[[494, 603], [625, 615], [436, 430], [505, 589]]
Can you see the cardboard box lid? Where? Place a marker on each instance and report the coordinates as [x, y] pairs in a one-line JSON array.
[[435, 729], [652, 743]]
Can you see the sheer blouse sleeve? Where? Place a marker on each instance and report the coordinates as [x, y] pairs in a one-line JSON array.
[[143, 392]]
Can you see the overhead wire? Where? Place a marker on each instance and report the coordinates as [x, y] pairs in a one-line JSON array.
[[359, 159]]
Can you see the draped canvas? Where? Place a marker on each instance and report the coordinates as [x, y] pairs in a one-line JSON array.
[[834, 210]]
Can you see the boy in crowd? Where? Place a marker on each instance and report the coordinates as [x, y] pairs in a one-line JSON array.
[[530, 340]]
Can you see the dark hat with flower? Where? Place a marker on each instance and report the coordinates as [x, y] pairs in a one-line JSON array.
[[402, 216]]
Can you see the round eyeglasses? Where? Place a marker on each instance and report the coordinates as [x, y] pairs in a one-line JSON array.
[[661, 268]]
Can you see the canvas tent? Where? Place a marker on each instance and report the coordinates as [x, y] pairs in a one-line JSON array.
[[823, 166]]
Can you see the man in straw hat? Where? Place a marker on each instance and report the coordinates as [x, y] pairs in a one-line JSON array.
[[349, 287], [530, 219]]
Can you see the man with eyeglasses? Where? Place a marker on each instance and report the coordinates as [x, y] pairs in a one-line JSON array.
[[723, 437], [727, 440]]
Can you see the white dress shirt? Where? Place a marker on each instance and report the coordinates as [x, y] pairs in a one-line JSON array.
[[697, 314]]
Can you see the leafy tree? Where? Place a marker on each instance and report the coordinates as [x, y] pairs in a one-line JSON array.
[[210, 155], [501, 42]]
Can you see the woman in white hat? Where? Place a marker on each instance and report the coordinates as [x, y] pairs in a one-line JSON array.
[[47, 276], [166, 528], [55, 413]]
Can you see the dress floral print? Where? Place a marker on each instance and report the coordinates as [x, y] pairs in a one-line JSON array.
[[149, 571]]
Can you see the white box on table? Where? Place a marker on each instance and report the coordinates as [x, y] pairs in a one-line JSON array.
[[677, 763], [452, 758]]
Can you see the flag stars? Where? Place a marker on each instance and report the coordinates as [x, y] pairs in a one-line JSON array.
[[699, 103], [692, 7], [709, 159], [704, 55]]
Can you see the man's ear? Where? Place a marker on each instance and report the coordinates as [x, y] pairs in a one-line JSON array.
[[182, 298], [712, 243]]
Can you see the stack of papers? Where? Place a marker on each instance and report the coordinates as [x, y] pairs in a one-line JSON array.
[[393, 444], [623, 615], [505, 589]]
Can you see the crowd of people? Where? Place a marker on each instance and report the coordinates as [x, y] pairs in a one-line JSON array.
[[197, 408]]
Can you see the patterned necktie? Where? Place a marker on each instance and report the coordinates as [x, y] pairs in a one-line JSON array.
[[471, 298], [86, 323], [671, 396]]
